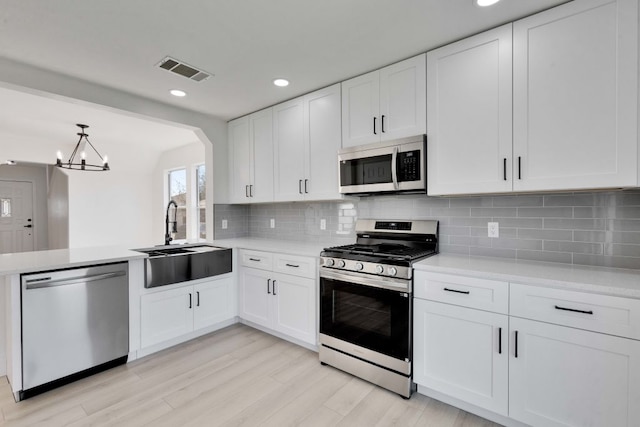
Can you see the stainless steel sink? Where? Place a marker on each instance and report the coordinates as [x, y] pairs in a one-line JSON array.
[[169, 265]]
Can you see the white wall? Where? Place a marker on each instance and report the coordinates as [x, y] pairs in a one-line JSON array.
[[58, 209], [38, 176], [186, 156], [211, 130]]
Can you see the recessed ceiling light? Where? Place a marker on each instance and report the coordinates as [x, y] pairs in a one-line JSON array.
[[177, 92], [484, 3], [281, 82]]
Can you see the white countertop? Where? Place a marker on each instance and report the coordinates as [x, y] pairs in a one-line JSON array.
[[610, 281], [28, 262], [270, 245]]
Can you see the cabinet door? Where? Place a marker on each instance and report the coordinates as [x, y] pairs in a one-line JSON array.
[[469, 106], [240, 159], [323, 139], [289, 150], [294, 311], [255, 294], [166, 315], [261, 134], [403, 99], [213, 302], [570, 377], [575, 96], [462, 352], [360, 110]]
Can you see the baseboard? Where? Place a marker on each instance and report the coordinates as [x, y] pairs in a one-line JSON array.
[[279, 335], [476, 410]]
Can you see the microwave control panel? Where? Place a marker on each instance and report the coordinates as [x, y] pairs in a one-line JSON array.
[[409, 166]]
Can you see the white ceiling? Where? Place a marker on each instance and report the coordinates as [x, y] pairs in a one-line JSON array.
[[245, 43]]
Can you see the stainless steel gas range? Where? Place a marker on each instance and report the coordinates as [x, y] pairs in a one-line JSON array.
[[366, 301]]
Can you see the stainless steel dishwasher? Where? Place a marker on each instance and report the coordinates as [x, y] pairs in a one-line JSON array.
[[74, 322]]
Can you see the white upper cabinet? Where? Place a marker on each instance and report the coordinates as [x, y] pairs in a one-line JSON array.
[[289, 150], [576, 97], [251, 157], [385, 104], [306, 141], [469, 115]]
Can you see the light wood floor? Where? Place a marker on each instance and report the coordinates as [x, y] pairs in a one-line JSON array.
[[236, 376]]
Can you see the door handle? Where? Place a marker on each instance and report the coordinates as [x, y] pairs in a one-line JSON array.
[[28, 226]]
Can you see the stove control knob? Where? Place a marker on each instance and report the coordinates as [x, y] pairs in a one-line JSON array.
[[359, 266], [393, 271], [379, 269], [329, 262], [341, 263]]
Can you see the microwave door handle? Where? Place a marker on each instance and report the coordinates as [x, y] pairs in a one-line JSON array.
[[394, 168]]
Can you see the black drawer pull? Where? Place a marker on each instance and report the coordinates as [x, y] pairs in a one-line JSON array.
[[292, 265], [254, 259], [515, 353], [574, 310], [457, 291], [499, 340]]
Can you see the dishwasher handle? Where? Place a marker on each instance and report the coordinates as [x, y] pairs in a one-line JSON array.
[[46, 282]]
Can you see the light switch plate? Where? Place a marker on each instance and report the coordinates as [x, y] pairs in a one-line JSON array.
[[225, 224], [272, 223], [323, 224], [493, 229]]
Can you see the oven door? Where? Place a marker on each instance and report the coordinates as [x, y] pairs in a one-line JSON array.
[[371, 317]]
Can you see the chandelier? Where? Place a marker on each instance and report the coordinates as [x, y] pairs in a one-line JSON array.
[[72, 163]]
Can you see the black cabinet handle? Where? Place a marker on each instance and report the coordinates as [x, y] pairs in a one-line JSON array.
[[28, 226], [251, 190], [254, 259], [574, 310], [190, 300], [268, 289], [374, 126], [306, 182], [197, 298], [382, 124], [504, 169], [292, 265], [457, 291], [246, 191], [499, 340], [519, 167], [274, 287], [300, 186], [516, 346]]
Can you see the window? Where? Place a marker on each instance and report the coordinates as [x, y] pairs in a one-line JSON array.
[[201, 202], [178, 193]]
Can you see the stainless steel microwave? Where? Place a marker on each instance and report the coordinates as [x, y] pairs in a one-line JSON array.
[[396, 166]]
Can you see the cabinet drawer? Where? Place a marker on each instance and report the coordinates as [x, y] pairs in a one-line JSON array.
[[295, 265], [489, 295], [600, 313], [257, 259]]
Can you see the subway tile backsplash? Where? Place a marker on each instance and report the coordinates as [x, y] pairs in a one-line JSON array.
[[586, 228]]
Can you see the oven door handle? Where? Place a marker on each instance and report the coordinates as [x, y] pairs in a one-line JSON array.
[[368, 280], [394, 167]]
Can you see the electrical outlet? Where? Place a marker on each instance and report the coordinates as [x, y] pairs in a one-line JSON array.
[[493, 229], [272, 223], [323, 224], [225, 224]]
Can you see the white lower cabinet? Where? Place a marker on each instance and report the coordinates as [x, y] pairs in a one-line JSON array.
[[462, 352], [537, 370], [285, 303], [569, 377], [169, 314]]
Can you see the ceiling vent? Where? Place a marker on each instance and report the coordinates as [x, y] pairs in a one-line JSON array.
[[175, 66]]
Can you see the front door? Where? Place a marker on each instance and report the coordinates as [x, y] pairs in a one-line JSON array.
[[16, 216]]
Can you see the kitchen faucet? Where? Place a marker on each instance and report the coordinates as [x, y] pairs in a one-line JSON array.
[[174, 229]]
